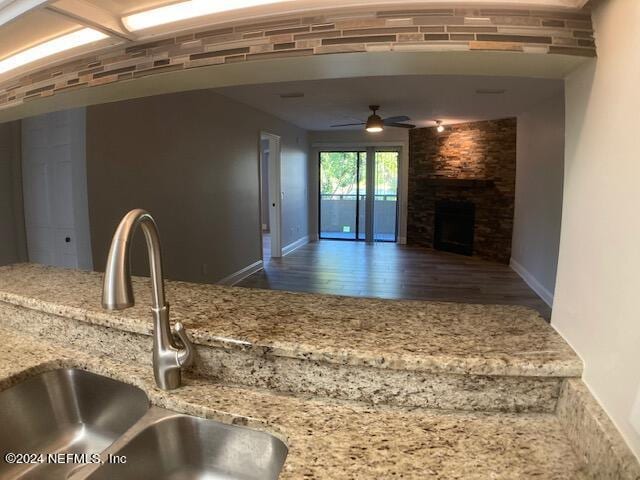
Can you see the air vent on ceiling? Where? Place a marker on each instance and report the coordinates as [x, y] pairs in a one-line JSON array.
[[490, 91], [292, 95]]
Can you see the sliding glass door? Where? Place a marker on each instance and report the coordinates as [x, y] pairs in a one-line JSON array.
[[342, 193], [385, 206], [359, 199]]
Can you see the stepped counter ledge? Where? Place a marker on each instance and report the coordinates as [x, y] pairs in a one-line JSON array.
[[392, 334], [333, 440]]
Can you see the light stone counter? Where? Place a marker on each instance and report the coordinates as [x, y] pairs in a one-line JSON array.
[[334, 440], [400, 335], [340, 359]]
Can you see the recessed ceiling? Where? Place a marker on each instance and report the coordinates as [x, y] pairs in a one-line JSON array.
[[29, 30], [24, 23], [124, 7], [453, 99]]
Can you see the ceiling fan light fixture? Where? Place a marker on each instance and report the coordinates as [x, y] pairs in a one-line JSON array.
[[439, 126], [375, 124], [374, 128]]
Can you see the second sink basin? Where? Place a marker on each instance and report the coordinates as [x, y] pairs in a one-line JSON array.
[[180, 447], [64, 411]]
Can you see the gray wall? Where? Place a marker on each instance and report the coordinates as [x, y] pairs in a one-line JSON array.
[[596, 304], [12, 235], [191, 159], [538, 204]]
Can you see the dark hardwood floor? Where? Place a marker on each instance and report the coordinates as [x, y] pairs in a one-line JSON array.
[[389, 270]]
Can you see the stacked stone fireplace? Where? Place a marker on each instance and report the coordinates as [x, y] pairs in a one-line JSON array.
[[462, 188]]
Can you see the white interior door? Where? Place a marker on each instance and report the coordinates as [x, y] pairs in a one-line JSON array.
[[55, 189], [275, 194]]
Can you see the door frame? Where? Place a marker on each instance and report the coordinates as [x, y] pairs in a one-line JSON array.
[[275, 192], [318, 166], [403, 177]]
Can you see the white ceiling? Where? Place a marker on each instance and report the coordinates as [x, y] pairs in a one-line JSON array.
[[452, 99]]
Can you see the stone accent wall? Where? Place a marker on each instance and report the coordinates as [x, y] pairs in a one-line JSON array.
[[473, 162], [566, 32]]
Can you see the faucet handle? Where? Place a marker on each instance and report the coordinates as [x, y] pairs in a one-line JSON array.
[[185, 354]]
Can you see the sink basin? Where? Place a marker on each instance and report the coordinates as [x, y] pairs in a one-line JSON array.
[[64, 411], [180, 447], [71, 411]]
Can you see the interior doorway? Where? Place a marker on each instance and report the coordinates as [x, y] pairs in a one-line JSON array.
[[270, 197], [54, 185], [359, 194]]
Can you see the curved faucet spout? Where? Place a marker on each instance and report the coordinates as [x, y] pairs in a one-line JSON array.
[[117, 294]]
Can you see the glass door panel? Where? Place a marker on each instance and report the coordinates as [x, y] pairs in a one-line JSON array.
[[385, 206], [362, 195], [339, 195]]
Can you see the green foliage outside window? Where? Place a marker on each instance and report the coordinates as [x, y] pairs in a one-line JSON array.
[[338, 173]]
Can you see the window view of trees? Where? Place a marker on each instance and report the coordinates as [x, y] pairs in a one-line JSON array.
[[386, 173], [339, 172]]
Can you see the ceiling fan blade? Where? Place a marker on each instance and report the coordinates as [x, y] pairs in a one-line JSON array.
[[400, 125], [390, 120], [348, 124]]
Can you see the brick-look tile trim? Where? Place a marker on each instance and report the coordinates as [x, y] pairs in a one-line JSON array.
[[473, 162], [474, 29]]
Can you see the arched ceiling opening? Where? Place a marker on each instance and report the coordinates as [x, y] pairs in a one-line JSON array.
[[285, 40]]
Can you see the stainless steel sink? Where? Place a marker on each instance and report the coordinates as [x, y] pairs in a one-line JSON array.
[[180, 447], [64, 411], [71, 411]]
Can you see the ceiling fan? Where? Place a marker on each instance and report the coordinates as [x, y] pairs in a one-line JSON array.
[[375, 123]]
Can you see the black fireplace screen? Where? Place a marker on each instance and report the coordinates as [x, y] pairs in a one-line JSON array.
[[454, 224]]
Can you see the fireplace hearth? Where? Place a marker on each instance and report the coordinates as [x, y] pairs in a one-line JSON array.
[[454, 226]]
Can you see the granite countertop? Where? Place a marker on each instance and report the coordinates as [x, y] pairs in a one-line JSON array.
[[329, 439], [396, 334]]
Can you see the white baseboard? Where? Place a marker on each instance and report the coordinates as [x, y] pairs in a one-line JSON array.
[[295, 245], [530, 280], [241, 274]]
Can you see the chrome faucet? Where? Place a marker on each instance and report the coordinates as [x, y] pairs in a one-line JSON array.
[[117, 294]]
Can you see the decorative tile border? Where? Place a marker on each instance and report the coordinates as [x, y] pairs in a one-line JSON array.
[[593, 435], [467, 29]]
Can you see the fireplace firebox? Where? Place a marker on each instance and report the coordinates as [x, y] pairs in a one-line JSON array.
[[454, 225]]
